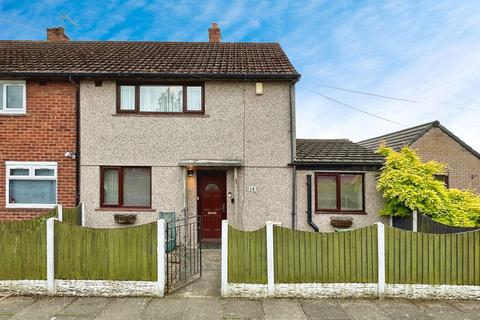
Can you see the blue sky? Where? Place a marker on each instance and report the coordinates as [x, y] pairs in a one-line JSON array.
[[426, 51]]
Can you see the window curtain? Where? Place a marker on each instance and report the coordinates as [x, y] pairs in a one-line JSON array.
[[33, 191], [127, 97], [351, 192], [110, 187], [136, 187], [194, 98], [161, 98], [326, 192]]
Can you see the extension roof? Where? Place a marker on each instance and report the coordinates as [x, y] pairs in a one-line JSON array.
[[225, 60], [335, 151], [406, 137]]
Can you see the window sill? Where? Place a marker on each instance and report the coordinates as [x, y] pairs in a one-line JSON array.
[[13, 114], [340, 212], [162, 115], [125, 209], [30, 206]]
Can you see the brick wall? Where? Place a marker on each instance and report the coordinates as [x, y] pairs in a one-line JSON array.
[[45, 133], [463, 166]]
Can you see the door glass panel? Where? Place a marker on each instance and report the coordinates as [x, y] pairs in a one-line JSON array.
[[212, 187]]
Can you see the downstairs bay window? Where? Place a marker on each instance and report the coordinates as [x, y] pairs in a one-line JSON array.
[[125, 187], [31, 184], [339, 192]]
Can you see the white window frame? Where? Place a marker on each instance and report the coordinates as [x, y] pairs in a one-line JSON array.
[[31, 166], [3, 107]]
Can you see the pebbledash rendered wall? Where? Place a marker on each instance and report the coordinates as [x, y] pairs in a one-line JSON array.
[[44, 133], [237, 125], [463, 166], [373, 203]]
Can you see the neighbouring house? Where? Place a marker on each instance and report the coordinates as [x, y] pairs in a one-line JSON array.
[[37, 131], [195, 128], [432, 141], [336, 178]]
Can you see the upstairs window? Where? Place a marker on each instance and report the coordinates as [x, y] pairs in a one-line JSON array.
[[31, 184], [339, 192], [162, 98], [12, 97]]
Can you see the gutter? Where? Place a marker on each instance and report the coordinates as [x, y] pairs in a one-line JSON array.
[[101, 75], [309, 203]]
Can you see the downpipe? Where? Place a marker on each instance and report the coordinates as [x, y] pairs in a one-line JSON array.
[[309, 203]]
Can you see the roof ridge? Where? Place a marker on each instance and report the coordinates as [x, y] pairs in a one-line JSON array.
[[432, 123]]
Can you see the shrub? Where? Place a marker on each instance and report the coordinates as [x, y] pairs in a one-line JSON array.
[[409, 184]]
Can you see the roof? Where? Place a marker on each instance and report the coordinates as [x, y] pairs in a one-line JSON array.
[[335, 151], [399, 139], [237, 60]]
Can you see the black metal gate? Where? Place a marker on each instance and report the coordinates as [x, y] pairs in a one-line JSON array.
[[183, 252]]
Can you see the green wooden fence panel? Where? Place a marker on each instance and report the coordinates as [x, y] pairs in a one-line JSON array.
[[422, 258], [109, 254], [72, 215], [23, 250], [247, 256], [307, 257]]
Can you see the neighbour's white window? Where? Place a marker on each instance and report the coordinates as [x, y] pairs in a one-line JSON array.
[[31, 184], [12, 97]]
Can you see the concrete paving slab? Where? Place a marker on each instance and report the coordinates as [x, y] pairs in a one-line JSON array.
[[208, 286], [124, 308], [203, 309], [85, 307], [283, 309], [165, 309], [363, 310], [401, 309], [472, 308], [211, 259], [441, 310], [323, 309], [5, 316], [243, 309], [15, 304], [73, 318], [43, 308]]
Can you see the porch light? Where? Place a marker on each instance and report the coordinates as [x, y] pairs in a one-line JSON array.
[[190, 172]]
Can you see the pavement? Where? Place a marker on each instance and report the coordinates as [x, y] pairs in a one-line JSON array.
[[201, 300]]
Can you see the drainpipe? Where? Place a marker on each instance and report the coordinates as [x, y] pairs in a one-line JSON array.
[[77, 139], [293, 155], [309, 203]]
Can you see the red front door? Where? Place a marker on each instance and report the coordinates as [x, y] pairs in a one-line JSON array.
[[212, 202]]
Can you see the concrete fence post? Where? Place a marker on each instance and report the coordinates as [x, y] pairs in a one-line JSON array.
[[60, 212], [224, 281], [270, 260], [161, 257], [82, 210], [51, 256], [381, 259], [414, 221]]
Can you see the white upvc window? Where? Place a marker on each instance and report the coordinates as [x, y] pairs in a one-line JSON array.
[[13, 97], [31, 184]]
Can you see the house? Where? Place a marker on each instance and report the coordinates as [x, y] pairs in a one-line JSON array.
[[433, 141], [38, 133], [193, 128], [336, 178]]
